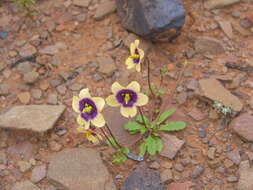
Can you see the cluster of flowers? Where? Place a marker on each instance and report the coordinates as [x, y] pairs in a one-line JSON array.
[[128, 98]]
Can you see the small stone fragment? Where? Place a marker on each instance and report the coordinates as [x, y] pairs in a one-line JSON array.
[[52, 99], [38, 173], [198, 171], [105, 8], [214, 4], [209, 45], [24, 97], [106, 65], [232, 179], [211, 153], [166, 176], [31, 77], [82, 3], [24, 166], [234, 156], [25, 185], [27, 50]]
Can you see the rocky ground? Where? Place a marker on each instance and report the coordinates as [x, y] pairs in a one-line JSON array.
[[76, 44]]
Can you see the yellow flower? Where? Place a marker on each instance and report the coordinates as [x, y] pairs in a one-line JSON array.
[[127, 97], [136, 56], [90, 134], [89, 109]]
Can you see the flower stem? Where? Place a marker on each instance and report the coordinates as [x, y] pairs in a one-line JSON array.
[[104, 133], [149, 81], [142, 116], [115, 140]]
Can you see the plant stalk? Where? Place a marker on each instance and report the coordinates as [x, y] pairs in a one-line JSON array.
[[149, 80], [142, 116], [104, 133], [115, 140]]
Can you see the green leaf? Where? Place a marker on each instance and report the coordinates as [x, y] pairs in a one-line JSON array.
[[143, 149], [173, 126], [159, 144], [126, 151], [165, 115], [151, 145], [140, 119], [160, 92], [163, 69], [119, 159], [146, 92]]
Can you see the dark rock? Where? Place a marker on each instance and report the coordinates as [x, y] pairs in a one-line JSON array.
[[158, 20], [143, 178], [3, 35]]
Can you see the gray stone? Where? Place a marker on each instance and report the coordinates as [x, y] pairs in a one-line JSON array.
[[232, 179], [143, 178], [3, 35], [4, 89], [116, 122], [52, 99], [213, 89], [158, 20], [214, 4], [234, 156], [24, 67], [242, 125], [198, 171], [38, 173], [53, 49], [24, 166], [81, 3], [22, 117], [246, 177], [3, 158], [166, 175], [106, 66], [211, 153], [171, 146], [204, 44], [36, 93], [56, 82], [61, 89], [105, 8], [76, 86], [25, 185], [31, 77], [27, 50], [79, 168]]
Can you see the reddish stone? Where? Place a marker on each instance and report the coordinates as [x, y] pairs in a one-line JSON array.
[[197, 114], [180, 186], [24, 150]]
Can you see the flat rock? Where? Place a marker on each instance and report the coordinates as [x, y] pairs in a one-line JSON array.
[[226, 27], [38, 173], [53, 49], [31, 77], [180, 186], [204, 44], [24, 98], [213, 89], [106, 65], [246, 178], [171, 146], [79, 168], [159, 20], [234, 156], [197, 114], [81, 3], [116, 122], [24, 150], [105, 8], [214, 4], [25, 185], [22, 117], [143, 178], [242, 125], [27, 50]]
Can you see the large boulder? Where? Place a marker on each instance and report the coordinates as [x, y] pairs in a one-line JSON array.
[[157, 20]]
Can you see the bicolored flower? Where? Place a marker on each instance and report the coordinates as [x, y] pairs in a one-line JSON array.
[[90, 134], [127, 97], [136, 56], [89, 109]]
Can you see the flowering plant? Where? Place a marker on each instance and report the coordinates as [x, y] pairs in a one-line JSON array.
[[130, 99]]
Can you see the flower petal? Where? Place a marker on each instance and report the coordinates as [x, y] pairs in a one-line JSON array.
[[112, 101], [75, 104], [135, 86], [100, 103], [138, 67], [141, 52], [128, 112], [98, 121], [81, 130], [142, 99], [84, 93], [137, 42], [83, 123], [132, 48], [92, 138], [129, 62], [116, 87]]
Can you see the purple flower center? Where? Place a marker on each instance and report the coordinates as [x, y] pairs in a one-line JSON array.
[[137, 54], [127, 97], [88, 109]]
